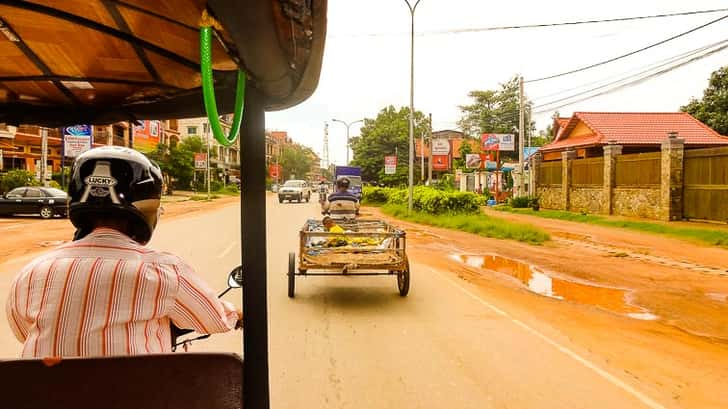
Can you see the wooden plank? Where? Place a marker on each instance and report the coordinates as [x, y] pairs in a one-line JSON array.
[[700, 153]]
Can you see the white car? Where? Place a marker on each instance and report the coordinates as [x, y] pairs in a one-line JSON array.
[[297, 190]]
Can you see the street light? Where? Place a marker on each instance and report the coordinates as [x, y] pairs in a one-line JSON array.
[[347, 125], [412, 103]]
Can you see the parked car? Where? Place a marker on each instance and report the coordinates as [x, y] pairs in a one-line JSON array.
[[46, 201], [297, 190]]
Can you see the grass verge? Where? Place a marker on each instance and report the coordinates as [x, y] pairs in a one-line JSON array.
[[706, 235], [200, 198], [479, 224]]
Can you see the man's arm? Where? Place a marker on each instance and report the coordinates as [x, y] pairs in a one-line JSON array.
[[197, 307]]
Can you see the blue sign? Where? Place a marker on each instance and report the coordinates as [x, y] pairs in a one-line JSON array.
[[77, 130]]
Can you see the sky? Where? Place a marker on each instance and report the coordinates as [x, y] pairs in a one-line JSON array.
[[366, 64]]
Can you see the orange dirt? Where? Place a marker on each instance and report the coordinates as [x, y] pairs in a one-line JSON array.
[[21, 233], [683, 354]]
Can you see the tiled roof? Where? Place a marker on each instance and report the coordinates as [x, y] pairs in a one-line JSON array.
[[635, 128]]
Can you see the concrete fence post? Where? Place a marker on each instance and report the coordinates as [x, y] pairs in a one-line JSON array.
[[610, 175], [566, 163], [671, 180], [534, 166]]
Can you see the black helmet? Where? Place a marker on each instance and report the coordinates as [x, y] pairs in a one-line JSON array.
[[343, 182], [115, 182]]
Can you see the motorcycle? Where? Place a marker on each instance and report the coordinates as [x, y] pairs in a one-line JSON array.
[[235, 280]]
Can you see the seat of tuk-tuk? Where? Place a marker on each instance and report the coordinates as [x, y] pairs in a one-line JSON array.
[[173, 381]]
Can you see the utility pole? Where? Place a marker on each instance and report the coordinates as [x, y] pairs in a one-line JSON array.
[[521, 138], [412, 104], [347, 125], [429, 160], [44, 156], [422, 157], [206, 127]]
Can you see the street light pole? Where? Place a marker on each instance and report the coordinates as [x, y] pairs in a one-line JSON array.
[[347, 125], [412, 103]]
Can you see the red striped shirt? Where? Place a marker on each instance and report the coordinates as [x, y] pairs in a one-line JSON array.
[[107, 295]]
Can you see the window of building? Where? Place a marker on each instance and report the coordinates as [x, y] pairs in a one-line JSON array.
[[192, 130]]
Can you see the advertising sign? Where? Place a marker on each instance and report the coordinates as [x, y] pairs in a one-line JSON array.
[[472, 161], [76, 140], [390, 165], [497, 142], [440, 162], [146, 136], [274, 171], [440, 147], [200, 161]]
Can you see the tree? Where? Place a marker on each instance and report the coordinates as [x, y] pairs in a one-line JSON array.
[[386, 135], [712, 109], [295, 161], [17, 178], [465, 148], [177, 160], [496, 111]]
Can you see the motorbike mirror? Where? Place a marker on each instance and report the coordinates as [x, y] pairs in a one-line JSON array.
[[235, 279]]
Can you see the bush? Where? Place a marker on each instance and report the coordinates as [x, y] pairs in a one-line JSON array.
[[17, 178], [230, 189], [376, 195], [431, 200], [523, 202]]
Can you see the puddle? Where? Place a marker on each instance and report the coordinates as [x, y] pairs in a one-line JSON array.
[[608, 298]]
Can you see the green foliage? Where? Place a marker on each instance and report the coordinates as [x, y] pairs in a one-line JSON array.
[[522, 202], [230, 189], [716, 237], [56, 176], [177, 160], [446, 182], [17, 178], [473, 223], [386, 134], [495, 111], [434, 201], [465, 148], [376, 195], [295, 161], [712, 109]]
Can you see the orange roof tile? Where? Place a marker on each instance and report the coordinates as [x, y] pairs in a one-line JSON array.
[[635, 128]]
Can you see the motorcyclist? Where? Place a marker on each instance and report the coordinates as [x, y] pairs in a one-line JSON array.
[[322, 192], [342, 203], [106, 293]]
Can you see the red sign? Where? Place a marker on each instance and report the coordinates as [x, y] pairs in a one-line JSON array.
[[390, 165], [440, 162], [274, 170], [200, 160], [147, 135]]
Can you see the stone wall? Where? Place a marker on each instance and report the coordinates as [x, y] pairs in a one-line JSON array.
[[636, 202], [586, 199], [550, 197]]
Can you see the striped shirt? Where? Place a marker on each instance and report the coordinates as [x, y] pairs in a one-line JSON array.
[[107, 295]]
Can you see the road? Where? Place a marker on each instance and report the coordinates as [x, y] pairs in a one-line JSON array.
[[353, 342]]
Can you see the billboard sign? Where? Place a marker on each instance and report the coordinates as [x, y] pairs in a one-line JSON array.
[[146, 135], [274, 171], [76, 140], [472, 161], [440, 147], [497, 142], [440, 162], [390, 165], [200, 161]]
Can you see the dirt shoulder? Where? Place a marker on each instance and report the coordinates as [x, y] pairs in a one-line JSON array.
[[27, 235], [682, 353]]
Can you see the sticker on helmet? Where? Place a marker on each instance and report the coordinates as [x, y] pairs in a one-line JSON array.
[[100, 183]]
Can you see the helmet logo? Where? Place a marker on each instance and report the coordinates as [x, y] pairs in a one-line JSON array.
[[100, 183]]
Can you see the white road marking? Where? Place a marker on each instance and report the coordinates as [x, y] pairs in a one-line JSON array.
[[228, 249], [599, 371]]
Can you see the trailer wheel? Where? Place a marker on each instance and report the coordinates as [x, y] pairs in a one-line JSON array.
[[291, 274], [403, 280]]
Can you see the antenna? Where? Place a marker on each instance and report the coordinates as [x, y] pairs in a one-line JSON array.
[[325, 165]]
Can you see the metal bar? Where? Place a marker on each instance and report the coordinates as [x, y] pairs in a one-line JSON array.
[[87, 79], [347, 274], [253, 236]]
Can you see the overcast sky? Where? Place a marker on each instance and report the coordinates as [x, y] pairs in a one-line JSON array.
[[366, 61]]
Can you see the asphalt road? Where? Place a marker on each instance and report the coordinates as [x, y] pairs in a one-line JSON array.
[[353, 342]]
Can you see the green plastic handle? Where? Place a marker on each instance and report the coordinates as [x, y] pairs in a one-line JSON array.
[[208, 92]]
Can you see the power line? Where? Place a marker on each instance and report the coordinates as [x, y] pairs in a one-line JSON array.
[[629, 77], [543, 25], [629, 53], [636, 81], [572, 23], [631, 71]]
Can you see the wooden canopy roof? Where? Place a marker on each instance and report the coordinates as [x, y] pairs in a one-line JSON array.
[[99, 61]]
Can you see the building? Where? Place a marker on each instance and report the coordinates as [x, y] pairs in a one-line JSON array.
[[586, 133], [226, 159]]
